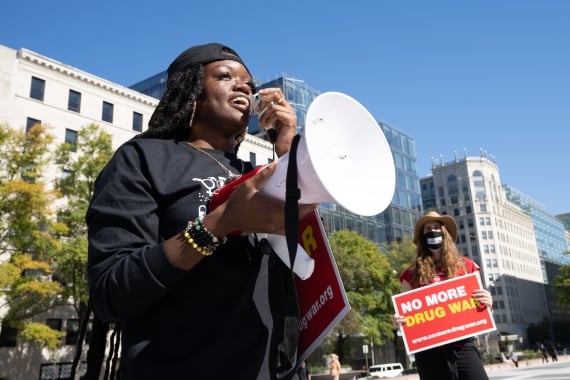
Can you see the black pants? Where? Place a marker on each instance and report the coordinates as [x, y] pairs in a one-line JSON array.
[[455, 361]]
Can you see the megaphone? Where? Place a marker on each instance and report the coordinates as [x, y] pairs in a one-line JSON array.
[[342, 157]]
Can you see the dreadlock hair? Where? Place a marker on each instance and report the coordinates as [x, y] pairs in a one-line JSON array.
[[171, 118], [424, 266], [97, 345]]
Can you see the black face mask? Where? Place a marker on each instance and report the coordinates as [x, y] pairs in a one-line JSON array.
[[433, 240]]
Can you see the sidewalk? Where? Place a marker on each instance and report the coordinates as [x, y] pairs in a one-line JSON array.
[[493, 367]]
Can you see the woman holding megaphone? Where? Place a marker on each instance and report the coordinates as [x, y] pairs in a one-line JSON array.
[[189, 296]]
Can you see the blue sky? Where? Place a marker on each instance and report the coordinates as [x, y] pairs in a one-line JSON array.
[[454, 75]]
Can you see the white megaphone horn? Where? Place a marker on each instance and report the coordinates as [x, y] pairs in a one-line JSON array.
[[342, 156]]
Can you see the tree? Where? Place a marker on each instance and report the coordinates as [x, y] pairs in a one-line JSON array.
[[28, 229], [562, 286], [401, 254], [42, 227], [82, 162], [369, 281]]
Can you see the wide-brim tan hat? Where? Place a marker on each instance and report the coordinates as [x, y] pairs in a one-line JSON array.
[[432, 216]]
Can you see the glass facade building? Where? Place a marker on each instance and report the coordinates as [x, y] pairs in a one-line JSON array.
[[549, 230], [394, 223], [154, 86], [297, 92], [406, 207]]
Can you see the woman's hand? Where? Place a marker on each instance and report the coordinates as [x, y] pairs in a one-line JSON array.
[[250, 210], [279, 115], [483, 296], [398, 321]]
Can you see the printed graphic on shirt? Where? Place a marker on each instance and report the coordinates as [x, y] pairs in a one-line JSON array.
[[209, 186]]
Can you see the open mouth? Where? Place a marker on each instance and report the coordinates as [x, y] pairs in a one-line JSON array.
[[241, 102]]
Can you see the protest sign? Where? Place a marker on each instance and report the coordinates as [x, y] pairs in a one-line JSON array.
[[442, 312], [322, 299]]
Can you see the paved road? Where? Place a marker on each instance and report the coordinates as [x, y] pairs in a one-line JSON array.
[[547, 371], [527, 369]]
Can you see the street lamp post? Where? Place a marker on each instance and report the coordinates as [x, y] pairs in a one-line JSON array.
[[365, 352]]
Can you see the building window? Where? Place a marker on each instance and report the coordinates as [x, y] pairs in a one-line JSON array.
[[31, 122], [71, 331], [252, 158], [107, 112], [54, 324], [137, 121], [71, 138], [37, 89], [74, 101], [8, 335]]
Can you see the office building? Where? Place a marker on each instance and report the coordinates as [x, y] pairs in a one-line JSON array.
[[510, 236]]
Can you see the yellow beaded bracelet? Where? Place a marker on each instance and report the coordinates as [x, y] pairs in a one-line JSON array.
[[199, 238]]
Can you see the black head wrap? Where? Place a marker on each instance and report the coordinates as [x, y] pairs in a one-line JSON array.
[[202, 54]]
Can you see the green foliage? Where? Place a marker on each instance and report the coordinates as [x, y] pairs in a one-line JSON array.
[[29, 233], [42, 335], [72, 263], [46, 246], [401, 254], [27, 224], [9, 274], [83, 162], [562, 286], [369, 281], [538, 332]]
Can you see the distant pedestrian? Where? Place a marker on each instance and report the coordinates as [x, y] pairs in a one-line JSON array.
[[515, 359], [552, 352], [543, 352], [334, 367], [304, 372]]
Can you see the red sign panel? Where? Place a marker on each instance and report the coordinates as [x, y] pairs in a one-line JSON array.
[[442, 312], [322, 299]]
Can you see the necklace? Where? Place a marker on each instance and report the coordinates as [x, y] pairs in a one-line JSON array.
[[231, 176]]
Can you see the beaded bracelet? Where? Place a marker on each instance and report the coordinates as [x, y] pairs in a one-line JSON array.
[[202, 240]]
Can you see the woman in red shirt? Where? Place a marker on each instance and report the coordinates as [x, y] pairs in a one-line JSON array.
[[437, 259]]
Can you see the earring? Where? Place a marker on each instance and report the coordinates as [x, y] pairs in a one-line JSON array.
[[192, 115]]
